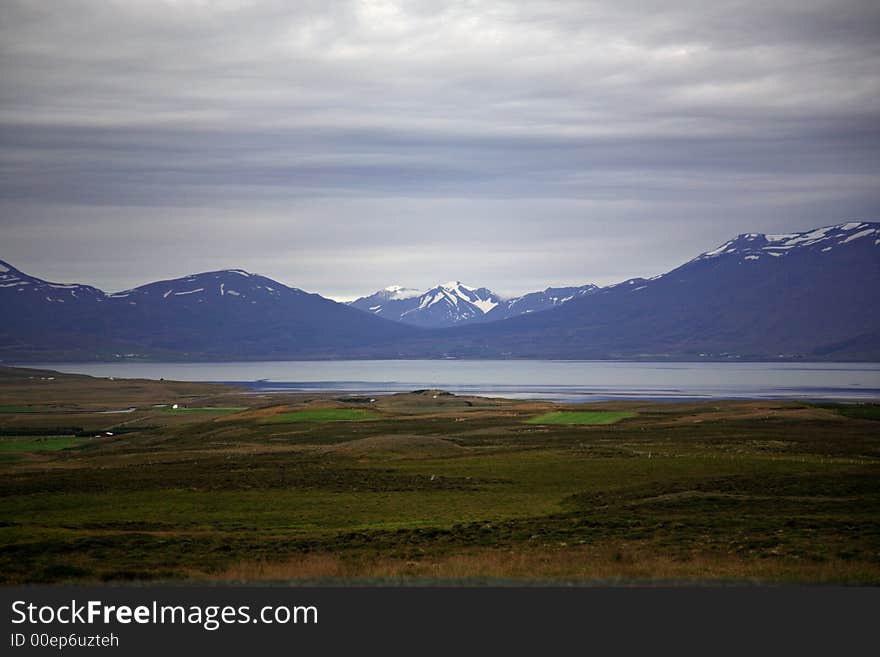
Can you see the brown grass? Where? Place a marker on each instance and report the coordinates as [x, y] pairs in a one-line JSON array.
[[606, 562]]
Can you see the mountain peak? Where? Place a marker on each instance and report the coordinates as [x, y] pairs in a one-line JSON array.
[[221, 272], [205, 287], [446, 304]]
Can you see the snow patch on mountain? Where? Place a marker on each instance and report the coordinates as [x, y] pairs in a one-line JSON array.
[[860, 234], [485, 305]]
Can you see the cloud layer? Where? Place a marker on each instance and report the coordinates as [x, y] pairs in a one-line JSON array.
[[343, 146]]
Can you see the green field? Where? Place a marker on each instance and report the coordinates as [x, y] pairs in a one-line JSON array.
[[37, 444], [434, 486], [580, 417], [324, 415]]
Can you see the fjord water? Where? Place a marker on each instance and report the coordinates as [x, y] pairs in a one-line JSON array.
[[541, 379]]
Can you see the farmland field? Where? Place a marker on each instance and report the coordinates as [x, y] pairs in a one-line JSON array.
[[433, 485]]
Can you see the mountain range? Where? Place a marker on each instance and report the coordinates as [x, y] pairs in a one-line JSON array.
[[228, 314], [810, 295]]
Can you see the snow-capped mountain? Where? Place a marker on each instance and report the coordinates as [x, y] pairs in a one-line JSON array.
[[447, 304], [451, 304]]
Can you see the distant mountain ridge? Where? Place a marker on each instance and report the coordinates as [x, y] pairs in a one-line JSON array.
[[807, 295], [229, 314], [446, 304], [452, 304]]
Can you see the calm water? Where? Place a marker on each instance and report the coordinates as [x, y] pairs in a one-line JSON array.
[[557, 380]]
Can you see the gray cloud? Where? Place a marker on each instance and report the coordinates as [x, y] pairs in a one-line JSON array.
[[343, 146]]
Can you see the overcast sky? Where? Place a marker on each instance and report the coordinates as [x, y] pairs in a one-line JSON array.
[[343, 146]]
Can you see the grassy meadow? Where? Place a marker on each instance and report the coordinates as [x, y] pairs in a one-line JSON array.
[[247, 487]]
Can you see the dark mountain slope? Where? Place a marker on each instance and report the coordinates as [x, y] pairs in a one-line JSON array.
[[814, 295]]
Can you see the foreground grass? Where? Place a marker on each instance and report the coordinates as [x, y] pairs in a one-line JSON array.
[[691, 517], [580, 417], [628, 561]]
